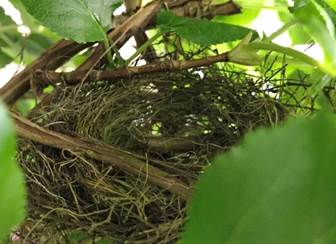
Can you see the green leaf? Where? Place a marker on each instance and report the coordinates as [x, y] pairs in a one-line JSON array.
[[202, 32], [277, 187], [80, 20], [316, 21], [12, 190]]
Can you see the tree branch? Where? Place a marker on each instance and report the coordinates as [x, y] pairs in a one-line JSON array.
[[102, 152], [75, 77]]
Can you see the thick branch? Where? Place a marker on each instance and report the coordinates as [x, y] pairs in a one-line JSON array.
[[75, 77], [101, 152], [51, 59], [184, 8]]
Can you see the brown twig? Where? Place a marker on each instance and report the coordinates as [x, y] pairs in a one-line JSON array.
[[122, 33], [75, 77], [149, 54], [102, 152]]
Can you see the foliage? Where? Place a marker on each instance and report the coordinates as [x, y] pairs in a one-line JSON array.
[[12, 191], [321, 29], [276, 187]]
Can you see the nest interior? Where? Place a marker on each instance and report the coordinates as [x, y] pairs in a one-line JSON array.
[[175, 122]]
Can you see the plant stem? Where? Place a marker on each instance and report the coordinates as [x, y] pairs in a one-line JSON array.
[[143, 47], [107, 46], [285, 50]]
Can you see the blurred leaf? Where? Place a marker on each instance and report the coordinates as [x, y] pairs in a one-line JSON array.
[[12, 191], [80, 20], [296, 32], [27, 19], [202, 32], [250, 10], [36, 43], [25, 105], [316, 21], [332, 4], [277, 187], [5, 19], [4, 59], [329, 9], [8, 30]]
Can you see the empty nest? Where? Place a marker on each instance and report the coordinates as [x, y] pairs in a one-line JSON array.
[[174, 121]]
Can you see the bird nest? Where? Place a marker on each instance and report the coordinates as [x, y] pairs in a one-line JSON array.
[[174, 122]]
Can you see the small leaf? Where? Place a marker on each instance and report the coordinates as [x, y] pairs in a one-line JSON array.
[[277, 187], [316, 21], [12, 190], [202, 32], [80, 20]]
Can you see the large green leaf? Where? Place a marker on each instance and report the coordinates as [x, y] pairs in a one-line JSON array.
[[277, 187], [80, 20], [316, 21], [202, 32], [12, 190]]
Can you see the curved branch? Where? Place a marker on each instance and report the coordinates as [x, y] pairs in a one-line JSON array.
[[102, 152]]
